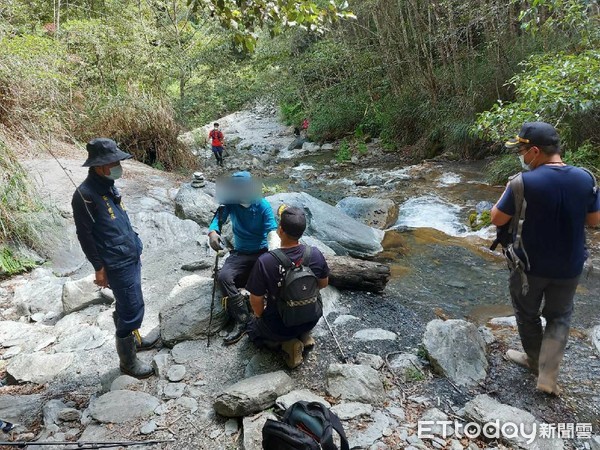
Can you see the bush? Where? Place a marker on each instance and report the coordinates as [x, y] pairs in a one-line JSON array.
[[143, 125], [344, 153]]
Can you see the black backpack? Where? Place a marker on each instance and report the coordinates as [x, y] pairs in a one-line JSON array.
[[305, 426], [298, 301]]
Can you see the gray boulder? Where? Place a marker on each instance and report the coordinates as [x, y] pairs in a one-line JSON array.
[[24, 409], [80, 294], [484, 409], [123, 406], [379, 213], [253, 430], [364, 437], [456, 350], [358, 383], [347, 411], [253, 394], [330, 225], [186, 314], [311, 147], [194, 204], [41, 294], [595, 335], [38, 367]]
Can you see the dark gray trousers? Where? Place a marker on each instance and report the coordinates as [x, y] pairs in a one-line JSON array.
[[236, 270], [557, 309]]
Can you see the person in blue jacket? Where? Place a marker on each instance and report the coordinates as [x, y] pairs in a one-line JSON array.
[[252, 219], [113, 248]]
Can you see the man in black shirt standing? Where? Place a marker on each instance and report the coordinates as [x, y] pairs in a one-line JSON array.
[[268, 329], [113, 248]]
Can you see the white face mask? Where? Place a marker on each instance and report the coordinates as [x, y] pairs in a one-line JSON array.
[[523, 165], [115, 173]]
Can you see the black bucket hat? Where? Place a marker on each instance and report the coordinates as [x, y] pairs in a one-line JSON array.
[[102, 151], [534, 133]]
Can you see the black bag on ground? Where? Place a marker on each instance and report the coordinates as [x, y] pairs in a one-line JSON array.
[[305, 426], [298, 301]]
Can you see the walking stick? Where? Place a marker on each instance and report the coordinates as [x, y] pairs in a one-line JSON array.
[[344, 359], [212, 302]]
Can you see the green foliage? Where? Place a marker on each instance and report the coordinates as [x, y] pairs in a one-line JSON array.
[[13, 264], [412, 374], [362, 148], [587, 155], [272, 189], [498, 171], [343, 153], [479, 221]]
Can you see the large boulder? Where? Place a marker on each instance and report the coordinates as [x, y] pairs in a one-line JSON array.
[[38, 367], [379, 213], [186, 314], [123, 406], [359, 383], [253, 394], [80, 294], [484, 410], [24, 409], [330, 225], [456, 349], [194, 204], [42, 294]]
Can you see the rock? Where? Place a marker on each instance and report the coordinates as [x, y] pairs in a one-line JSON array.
[[123, 406], [325, 249], [176, 373], [194, 204], [455, 445], [252, 394], [87, 338], [160, 363], [347, 411], [327, 147], [51, 411], [484, 409], [69, 415], [311, 147], [197, 265], [186, 314], [363, 438], [456, 350], [375, 361], [38, 367], [252, 427], [149, 427], [407, 365], [508, 321], [375, 212], [595, 336], [595, 443], [435, 415], [231, 427], [344, 319], [263, 362], [174, 390], [124, 382], [23, 409], [297, 143], [331, 226], [191, 404], [487, 335], [41, 294], [287, 400], [80, 294], [397, 412], [354, 383], [29, 337], [374, 334]]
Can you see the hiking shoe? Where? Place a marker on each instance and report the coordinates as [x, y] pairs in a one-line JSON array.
[[521, 359], [307, 340], [293, 350]]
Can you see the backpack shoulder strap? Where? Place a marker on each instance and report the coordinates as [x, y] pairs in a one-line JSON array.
[[590, 173], [518, 190], [336, 424], [306, 255], [283, 259]]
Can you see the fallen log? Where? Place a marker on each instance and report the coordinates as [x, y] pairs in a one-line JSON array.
[[350, 273]]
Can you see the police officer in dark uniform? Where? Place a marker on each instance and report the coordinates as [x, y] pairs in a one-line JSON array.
[[114, 249]]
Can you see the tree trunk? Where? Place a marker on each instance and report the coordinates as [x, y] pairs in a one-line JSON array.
[[356, 274]]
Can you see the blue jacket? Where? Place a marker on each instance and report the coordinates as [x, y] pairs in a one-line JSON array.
[[250, 225], [103, 227]]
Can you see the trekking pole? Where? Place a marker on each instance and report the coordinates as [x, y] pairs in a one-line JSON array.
[[212, 302], [344, 359]]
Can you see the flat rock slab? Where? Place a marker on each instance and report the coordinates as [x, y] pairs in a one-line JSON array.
[[176, 373], [253, 394], [38, 367], [374, 334], [124, 382], [42, 293], [287, 400], [484, 409], [456, 350], [77, 295], [123, 406], [358, 383], [85, 339], [364, 438], [375, 361], [350, 410], [23, 409], [253, 430]]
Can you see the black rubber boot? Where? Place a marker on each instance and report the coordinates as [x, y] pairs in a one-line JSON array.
[[142, 342], [237, 308], [130, 364]]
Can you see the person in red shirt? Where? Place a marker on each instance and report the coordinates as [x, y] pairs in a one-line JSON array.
[[305, 126], [217, 138]]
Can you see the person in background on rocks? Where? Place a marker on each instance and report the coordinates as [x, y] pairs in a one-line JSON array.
[[217, 139], [305, 126], [252, 220], [268, 329], [113, 248], [561, 201]]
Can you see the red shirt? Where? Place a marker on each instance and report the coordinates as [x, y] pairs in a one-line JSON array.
[[217, 138]]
